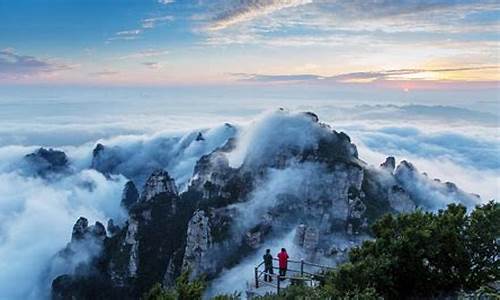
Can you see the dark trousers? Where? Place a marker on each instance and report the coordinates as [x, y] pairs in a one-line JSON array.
[[282, 272], [268, 269]]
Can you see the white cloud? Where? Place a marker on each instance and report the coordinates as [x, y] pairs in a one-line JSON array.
[[37, 215], [146, 24], [145, 53], [129, 32], [105, 73], [320, 22], [244, 11], [267, 136], [153, 22], [368, 76], [17, 66], [153, 65], [36, 218], [126, 35]]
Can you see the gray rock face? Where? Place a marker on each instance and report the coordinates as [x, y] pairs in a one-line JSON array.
[[159, 182], [170, 273], [132, 242], [356, 208], [211, 174], [307, 237], [300, 231], [327, 201], [80, 229], [79, 254], [311, 239], [399, 200], [404, 169], [198, 242], [150, 242], [345, 179], [104, 159], [111, 227], [98, 231], [124, 268], [322, 201], [130, 195]]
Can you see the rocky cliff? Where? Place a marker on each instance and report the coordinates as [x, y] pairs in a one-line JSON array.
[[296, 175]]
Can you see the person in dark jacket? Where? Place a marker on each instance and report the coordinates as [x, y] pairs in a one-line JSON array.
[[283, 262], [268, 266]]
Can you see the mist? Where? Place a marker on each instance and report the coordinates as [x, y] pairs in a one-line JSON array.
[[241, 277], [37, 214], [36, 219]]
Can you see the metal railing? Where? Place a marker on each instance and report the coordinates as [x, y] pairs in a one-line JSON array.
[[305, 272]]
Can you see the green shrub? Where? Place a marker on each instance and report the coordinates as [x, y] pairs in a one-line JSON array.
[[425, 255], [184, 289]]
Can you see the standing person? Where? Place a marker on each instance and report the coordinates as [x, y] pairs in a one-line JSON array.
[[283, 262], [268, 265]]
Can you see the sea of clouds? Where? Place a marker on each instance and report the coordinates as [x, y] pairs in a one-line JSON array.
[[453, 143]]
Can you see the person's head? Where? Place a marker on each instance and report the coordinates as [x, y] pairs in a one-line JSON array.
[[268, 251], [283, 250]]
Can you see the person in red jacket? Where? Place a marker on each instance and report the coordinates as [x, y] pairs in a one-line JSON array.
[[283, 262]]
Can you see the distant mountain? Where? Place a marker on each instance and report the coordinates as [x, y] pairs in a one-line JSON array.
[[291, 174], [46, 162]]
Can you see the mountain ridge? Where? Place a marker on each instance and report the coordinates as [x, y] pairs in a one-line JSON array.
[[291, 175]]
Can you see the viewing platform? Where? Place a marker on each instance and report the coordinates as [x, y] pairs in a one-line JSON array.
[[299, 272]]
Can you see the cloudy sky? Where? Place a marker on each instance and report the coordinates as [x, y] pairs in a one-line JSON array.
[[406, 45]]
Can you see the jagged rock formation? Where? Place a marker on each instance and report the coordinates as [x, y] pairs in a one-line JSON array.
[[199, 137], [400, 200], [45, 162], [139, 254], [112, 228], [103, 159], [79, 257], [159, 182], [198, 241], [307, 237], [162, 151], [82, 231], [130, 195], [389, 164], [318, 189], [419, 187]]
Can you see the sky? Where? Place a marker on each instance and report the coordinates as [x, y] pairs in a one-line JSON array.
[[403, 45], [418, 80]]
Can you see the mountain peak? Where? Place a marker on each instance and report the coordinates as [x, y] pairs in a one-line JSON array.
[[158, 182], [389, 164], [45, 161], [82, 230], [130, 195]]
